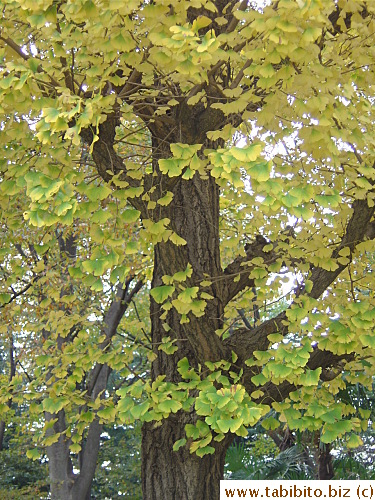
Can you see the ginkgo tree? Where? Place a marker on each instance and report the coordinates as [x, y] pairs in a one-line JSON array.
[[63, 342], [251, 160]]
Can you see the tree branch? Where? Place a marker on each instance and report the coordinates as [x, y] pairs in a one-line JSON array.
[[108, 162], [98, 383], [13, 45], [234, 21], [111, 322], [358, 228], [132, 85], [318, 358], [244, 341], [236, 275]]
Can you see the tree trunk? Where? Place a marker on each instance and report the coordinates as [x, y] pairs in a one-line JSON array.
[[194, 216], [64, 484], [323, 459], [60, 467], [12, 372], [169, 475], [325, 462], [2, 432]]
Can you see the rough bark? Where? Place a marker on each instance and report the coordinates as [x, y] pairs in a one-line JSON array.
[[60, 467], [194, 215], [169, 475]]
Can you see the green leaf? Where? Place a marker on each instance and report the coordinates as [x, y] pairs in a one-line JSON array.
[[270, 423], [125, 403], [177, 240], [248, 153], [260, 171], [54, 405], [132, 247], [130, 215], [33, 454], [139, 410], [87, 416], [172, 167], [184, 151], [311, 34], [188, 294], [191, 431], [259, 379], [183, 275], [310, 377], [108, 413], [75, 448], [177, 445], [354, 441], [367, 340], [224, 425], [333, 431], [170, 405], [5, 298], [183, 366], [205, 450], [166, 199], [161, 293], [95, 193], [280, 370]]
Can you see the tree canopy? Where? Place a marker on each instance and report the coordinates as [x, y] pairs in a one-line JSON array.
[[210, 159]]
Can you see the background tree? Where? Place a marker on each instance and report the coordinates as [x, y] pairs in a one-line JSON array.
[[257, 120], [62, 336]]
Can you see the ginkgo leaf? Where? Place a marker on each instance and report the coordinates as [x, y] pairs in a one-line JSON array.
[[130, 215], [310, 377], [248, 153], [180, 183], [171, 166], [177, 445], [33, 454], [161, 293], [54, 405], [139, 410], [354, 441], [333, 431], [170, 406], [108, 413], [166, 199]]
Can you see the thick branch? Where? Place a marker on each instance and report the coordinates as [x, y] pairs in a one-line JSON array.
[[358, 228], [107, 161], [12, 373], [244, 342], [90, 450], [236, 274], [318, 358], [234, 21], [132, 85]]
